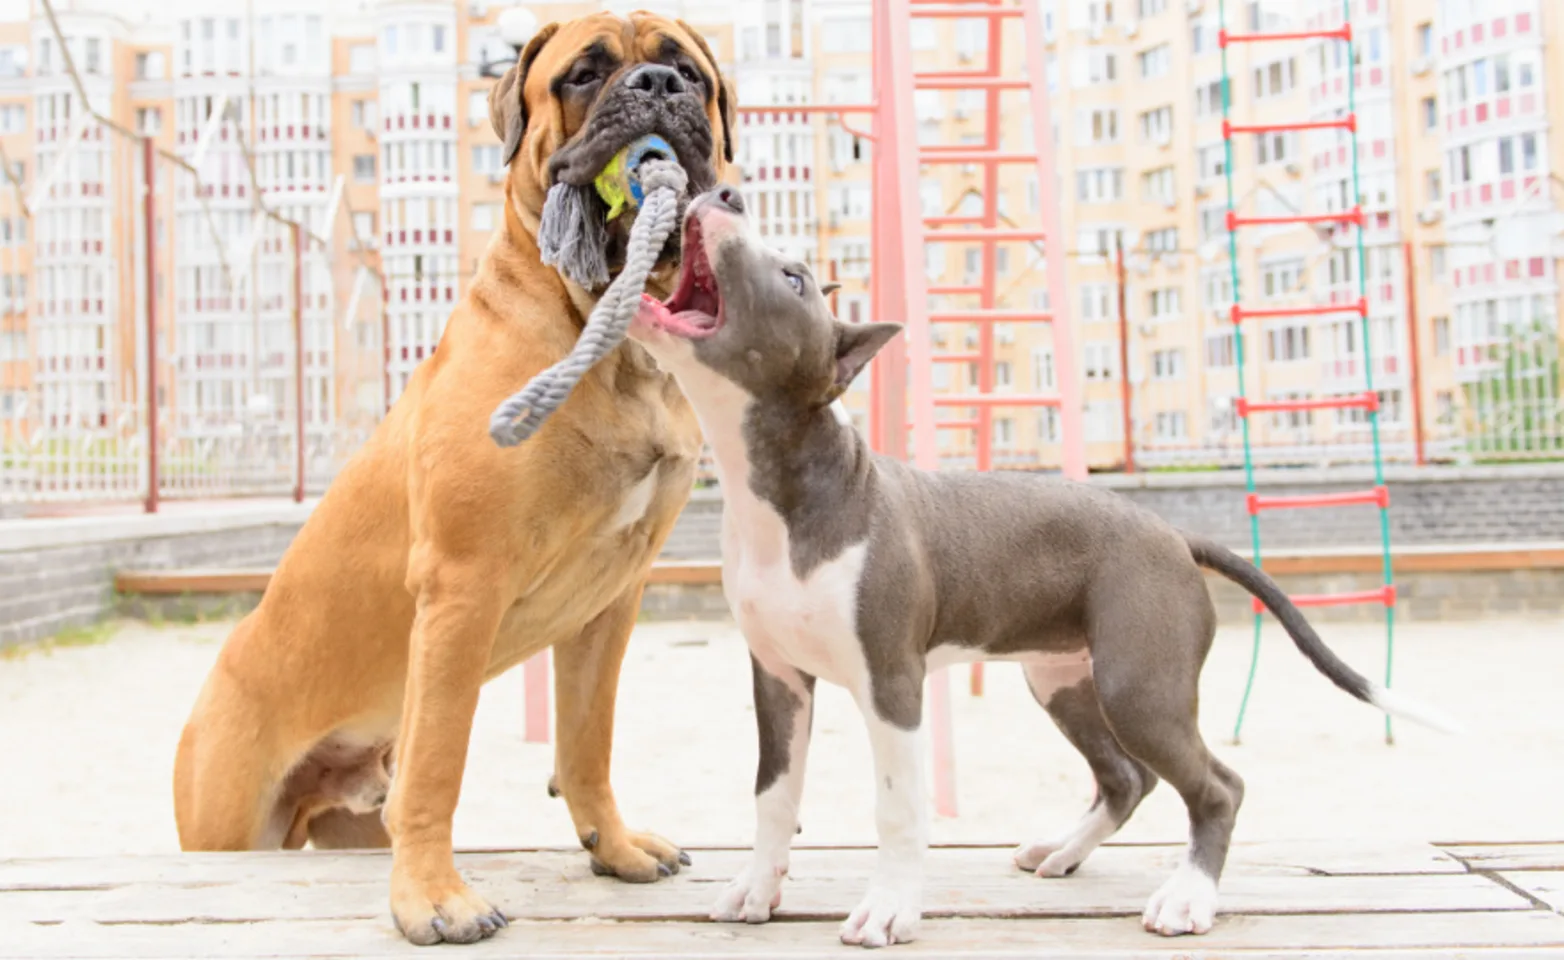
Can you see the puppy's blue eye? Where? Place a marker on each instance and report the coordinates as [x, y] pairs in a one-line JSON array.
[[796, 281]]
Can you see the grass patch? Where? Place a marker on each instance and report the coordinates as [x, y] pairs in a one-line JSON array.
[[89, 635]]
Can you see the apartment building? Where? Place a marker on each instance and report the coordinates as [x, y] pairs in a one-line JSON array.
[[369, 123]]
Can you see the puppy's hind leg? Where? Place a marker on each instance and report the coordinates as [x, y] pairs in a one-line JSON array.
[[784, 707], [1147, 661], [1067, 692]]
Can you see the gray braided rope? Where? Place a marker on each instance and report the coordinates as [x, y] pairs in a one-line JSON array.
[[520, 415]]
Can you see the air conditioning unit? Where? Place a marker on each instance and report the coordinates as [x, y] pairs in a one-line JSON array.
[[1202, 190], [1421, 65], [1428, 216], [1131, 28], [1293, 170]]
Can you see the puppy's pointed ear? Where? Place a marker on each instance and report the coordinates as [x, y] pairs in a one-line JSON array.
[[507, 99], [856, 345], [829, 287]]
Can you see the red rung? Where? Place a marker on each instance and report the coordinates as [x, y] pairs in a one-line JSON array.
[[1379, 495], [1238, 313], [1344, 32], [963, 13], [1349, 123], [1385, 595], [965, 80], [1362, 401], [974, 156], [994, 400], [956, 357], [955, 290], [974, 236], [806, 108], [1355, 215], [951, 221], [955, 425], [989, 316]]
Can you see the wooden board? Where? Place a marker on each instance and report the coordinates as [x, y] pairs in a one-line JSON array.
[[1279, 900], [1508, 856], [1545, 885]]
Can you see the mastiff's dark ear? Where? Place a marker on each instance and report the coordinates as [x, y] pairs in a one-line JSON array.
[[507, 105], [727, 106], [856, 345]]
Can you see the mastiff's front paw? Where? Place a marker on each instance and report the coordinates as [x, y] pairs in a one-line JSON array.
[[442, 910], [888, 915], [634, 857]]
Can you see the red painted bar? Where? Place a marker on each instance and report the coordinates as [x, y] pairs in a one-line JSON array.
[[1355, 215], [964, 80], [1379, 496], [989, 316], [1239, 312], [973, 156], [1385, 595], [1349, 122], [1361, 401], [974, 236], [922, 11], [994, 400], [1344, 32]]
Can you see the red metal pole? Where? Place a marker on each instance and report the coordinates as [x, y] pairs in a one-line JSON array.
[[149, 210], [298, 361], [1124, 362], [1415, 358], [385, 336]]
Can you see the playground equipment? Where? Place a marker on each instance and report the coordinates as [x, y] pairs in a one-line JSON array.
[[1367, 401], [900, 289]]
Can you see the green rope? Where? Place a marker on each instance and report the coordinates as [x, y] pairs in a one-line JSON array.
[[1368, 365], [1238, 351]]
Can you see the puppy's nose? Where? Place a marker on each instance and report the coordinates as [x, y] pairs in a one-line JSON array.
[[655, 78], [729, 197]]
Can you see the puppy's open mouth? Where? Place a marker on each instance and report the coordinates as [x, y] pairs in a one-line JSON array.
[[695, 309]]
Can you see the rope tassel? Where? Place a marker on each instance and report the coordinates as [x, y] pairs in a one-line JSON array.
[[662, 183]]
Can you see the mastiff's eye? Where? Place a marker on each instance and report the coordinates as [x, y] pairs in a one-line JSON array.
[[689, 73], [582, 76], [796, 282]]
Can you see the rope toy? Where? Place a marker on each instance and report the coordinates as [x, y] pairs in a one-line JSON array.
[[644, 174]]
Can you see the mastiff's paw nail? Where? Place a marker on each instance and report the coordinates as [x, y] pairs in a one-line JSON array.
[[439, 927], [684, 858], [663, 871], [499, 919], [799, 829], [589, 842], [553, 786]]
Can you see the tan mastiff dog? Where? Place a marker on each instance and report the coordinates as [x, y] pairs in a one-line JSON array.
[[438, 560]]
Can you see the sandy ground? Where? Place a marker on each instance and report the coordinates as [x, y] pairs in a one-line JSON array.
[[87, 736]]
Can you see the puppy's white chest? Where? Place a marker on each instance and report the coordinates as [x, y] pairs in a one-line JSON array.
[[809, 622]]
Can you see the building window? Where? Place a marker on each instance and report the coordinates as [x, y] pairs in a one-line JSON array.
[[1441, 336], [1425, 39], [1157, 186], [149, 66], [1282, 278], [149, 120], [364, 168], [1155, 62], [1287, 342], [361, 58], [485, 216], [1211, 161], [1170, 425], [486, 159], [94, 55], [1101, 361], [1276, 147], [1099, 185], [1163, 240], [1431, 190], [1274, 79], [1156, 126], [1163, 304], [1436, 261], [1219, 350], [1208, 98], [1096, 300], [1430, 110], [1167, 364]]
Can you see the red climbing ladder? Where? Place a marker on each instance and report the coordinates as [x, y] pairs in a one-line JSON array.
[[900, 285]]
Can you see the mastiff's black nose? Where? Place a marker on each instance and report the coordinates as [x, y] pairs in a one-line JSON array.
[[656, 79]]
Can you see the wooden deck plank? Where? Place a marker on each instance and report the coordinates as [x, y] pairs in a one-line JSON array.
[[822, 885], [1545, 885], [1293, 858], [1533, 934], [1508, 856]]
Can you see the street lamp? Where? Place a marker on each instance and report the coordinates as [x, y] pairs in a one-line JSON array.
[[516, 26]]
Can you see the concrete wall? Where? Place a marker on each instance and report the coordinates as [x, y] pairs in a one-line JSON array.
[[58, 573]]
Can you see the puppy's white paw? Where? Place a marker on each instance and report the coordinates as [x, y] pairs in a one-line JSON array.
[[889, 914], [751, 896], [1186, 903], [1048, 858]]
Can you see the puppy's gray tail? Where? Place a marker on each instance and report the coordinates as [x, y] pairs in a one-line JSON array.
[[1216, 557]]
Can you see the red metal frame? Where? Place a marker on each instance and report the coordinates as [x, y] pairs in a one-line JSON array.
[[1385, 595], [298, 360], [1353, 216], [1360, 401], [1348, 123], [1415, 356], [1344, 32], [1379, 496], [1239, 312], [149, 213]]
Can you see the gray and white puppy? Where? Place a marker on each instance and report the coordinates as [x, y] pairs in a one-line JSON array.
[[846, 566]]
